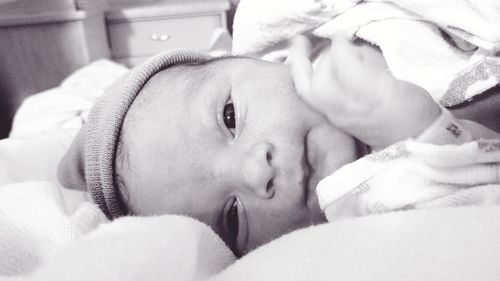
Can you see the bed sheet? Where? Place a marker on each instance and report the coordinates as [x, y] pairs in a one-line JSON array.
[[66, 106], [45, 124]]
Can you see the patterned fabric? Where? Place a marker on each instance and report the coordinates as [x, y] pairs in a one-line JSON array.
[[413, 174]]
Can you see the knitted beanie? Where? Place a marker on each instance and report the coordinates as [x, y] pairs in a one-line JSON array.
[[89, 163]]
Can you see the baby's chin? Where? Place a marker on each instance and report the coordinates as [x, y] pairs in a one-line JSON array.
[[328, 150]]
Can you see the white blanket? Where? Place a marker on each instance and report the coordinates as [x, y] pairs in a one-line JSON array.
[[154, 248], [457, 244], [42, 241], [35, 224]]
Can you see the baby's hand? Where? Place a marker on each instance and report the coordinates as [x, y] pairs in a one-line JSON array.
[[352, 86]]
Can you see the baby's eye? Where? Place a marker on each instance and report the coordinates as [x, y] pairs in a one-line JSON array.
[[229, 117], [234, 225]]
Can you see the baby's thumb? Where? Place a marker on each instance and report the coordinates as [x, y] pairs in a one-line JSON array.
[[300, 64]]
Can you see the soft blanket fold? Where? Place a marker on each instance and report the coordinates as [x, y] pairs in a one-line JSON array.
[[40, 240], [141, 248], [448, 244], [35, 224]]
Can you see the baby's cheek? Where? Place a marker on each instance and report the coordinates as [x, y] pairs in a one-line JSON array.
[[274, 219], [330, 149]]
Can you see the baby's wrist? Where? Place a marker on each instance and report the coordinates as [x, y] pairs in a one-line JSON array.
[[446, 129]]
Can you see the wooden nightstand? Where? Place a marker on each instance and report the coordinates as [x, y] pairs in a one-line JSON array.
[[137, 31], [41, 43]]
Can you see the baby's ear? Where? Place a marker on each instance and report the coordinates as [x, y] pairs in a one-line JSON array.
[[71, 169]]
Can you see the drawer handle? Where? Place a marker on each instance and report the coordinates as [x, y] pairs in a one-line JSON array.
[[162, 37]]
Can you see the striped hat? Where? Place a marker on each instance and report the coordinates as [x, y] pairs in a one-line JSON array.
[[89, 163]]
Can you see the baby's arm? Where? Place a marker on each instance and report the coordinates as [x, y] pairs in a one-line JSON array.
[[353, 88]]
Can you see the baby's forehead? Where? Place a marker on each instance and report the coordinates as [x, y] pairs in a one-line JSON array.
[[215, 78], [188, 78], [174, 84], [197, 72]]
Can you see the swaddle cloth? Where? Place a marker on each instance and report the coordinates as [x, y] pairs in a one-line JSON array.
[[448, 47], [413, 174]]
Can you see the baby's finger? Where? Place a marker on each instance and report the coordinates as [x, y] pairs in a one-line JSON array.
[[300, 64]]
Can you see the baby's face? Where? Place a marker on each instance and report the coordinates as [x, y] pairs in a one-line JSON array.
[[233, 146]]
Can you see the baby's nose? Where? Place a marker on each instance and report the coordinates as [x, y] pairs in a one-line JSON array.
[[257, 170]]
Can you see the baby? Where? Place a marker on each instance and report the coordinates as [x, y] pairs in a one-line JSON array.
[[229, 142]]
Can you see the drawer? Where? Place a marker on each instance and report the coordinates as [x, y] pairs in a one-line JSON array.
[[149, 36]]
